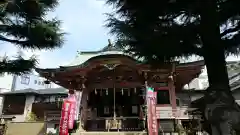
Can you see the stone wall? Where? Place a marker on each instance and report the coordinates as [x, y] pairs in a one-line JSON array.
[[25, 128]]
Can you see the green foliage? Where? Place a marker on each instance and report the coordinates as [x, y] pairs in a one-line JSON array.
[[31, 117], [24, 24], [17, 65], [166, 29], [161, 31], [180, 129]]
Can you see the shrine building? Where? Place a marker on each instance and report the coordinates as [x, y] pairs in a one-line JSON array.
[[113, 86]]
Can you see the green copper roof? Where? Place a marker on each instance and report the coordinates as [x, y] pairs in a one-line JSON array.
[[150, 89], [84, 56]]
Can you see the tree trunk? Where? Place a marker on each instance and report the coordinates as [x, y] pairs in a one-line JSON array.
[[213, 51], [214, 56]]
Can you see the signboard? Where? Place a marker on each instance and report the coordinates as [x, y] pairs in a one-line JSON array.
[[152, 119], [63, 128]]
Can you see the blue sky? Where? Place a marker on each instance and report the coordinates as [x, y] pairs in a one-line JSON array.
[[83, 20]]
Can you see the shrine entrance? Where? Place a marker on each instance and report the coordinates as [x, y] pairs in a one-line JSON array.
[[115, 99], [112, 86]]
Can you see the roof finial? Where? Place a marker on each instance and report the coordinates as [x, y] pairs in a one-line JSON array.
[[109, 42]]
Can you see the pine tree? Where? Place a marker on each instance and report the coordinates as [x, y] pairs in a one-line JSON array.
[[162, 30], [23, 23]]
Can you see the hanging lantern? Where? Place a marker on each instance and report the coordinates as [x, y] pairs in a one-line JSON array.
[[83, 86], [100, 92], [87, 97], [135, 90], [129, 92], [106, 91], [95, 91], [52, 74], [122, 92]]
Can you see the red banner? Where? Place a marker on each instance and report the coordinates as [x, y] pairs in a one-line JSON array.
[[71, 118], [63, 128], [152, 119]]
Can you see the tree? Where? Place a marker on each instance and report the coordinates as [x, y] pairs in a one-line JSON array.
[[24, 24], [162, 30]]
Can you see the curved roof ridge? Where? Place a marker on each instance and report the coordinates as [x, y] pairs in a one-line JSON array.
[[81, 58]]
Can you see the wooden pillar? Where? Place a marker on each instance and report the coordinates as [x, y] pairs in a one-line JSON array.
[[172, 91], [83, 107], [145, 102]]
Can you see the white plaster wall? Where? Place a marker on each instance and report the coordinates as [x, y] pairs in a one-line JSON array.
[[194, 84], [6, 82], [35, 82], [199, 83]]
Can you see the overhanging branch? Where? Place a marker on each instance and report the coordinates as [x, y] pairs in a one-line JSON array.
[[2, 38]]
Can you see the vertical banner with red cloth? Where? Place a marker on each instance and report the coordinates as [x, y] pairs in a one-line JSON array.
[[152, 119], [71, 118], [63, 128]]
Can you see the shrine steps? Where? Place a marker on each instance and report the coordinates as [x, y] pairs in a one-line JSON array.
[[110, 133]]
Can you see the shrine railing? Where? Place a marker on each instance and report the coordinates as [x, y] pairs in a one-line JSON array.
[[118, 124], [52, 116], [169, 113]]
